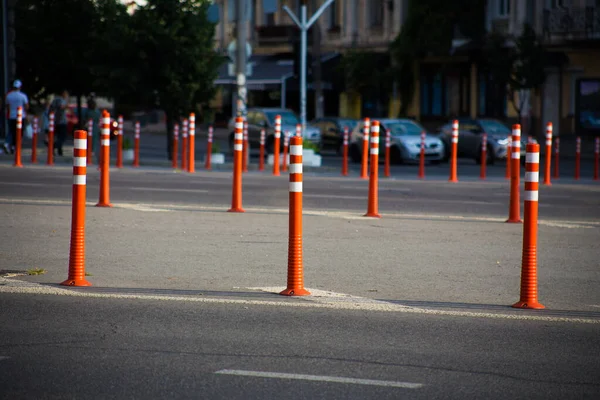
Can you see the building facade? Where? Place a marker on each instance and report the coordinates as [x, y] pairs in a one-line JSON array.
[[446, 86]]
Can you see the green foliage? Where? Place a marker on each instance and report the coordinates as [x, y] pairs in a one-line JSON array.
[[216, 149], [310, 146], [127, 143]]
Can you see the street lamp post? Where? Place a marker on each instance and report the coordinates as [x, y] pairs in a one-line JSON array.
[[304, 26]]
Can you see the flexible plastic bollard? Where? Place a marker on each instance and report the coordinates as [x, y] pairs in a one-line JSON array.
[[388, 144], [295, 274], [345, 152], [373, 202], [286, 143], [50, 160], [184, 145], [261, 156], [422, 156], [482, 169], [597, 159], [136, 145], [577, 158], [34, 141], [529, 282], [238, 150], [548, 154], [454, 153], [18, 138], [76, 275], [364, 165], [175, 146], [514, 209], [104, 200], [276, 144], [209, 143], [556, 157], [90, 129], [120, 142], [192, 144], [246, 150]]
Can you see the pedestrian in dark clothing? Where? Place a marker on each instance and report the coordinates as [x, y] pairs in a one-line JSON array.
[[59, 108]]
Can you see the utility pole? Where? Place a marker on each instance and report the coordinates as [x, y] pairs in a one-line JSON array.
[[304, 26], [240, 60], [316, 57]]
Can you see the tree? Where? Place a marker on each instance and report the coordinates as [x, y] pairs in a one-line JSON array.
[[429, 29], [173, 40]]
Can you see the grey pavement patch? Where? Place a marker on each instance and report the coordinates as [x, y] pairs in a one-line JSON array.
[[16, 286]]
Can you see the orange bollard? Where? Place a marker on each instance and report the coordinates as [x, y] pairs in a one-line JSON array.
[[295, 276], [105, 162], [364, 167], [577, 157], [422, 157], [238, 150], [388, 144], [345, 152], [556, 157], [77, 249], [184, 146], [276, 145], [482, 170], [120, 143], [529, 285], [508, 158], [245, 152], [50, 160], [299, 130], [261, 156], [18, 138], [207, 164], [286, 143], [90, 128], [597, 159], [34, 140], [136, 145], [373, 204], [192, 144], [514, 211], [548, 160], [454, 153], [175, 146]]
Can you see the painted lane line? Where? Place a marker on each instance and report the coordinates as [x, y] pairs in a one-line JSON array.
[[320, 378]]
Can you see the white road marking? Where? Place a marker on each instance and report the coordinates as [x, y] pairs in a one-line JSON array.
[[320, 378], [22, 287], [155, 189]]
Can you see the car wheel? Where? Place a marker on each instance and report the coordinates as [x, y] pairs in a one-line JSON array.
[[489, 154], [396, 155], [269, 145], [355, 155]]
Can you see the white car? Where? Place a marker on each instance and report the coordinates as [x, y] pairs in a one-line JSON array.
[[405, 142]]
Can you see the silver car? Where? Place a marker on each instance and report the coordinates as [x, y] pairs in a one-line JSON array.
[[405, 142]]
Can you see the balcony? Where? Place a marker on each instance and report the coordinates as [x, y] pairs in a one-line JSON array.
[[572, 23]]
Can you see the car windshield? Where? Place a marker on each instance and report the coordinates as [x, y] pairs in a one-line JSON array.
[[494, 127], [287, 117], [346, 122], [404, 128]]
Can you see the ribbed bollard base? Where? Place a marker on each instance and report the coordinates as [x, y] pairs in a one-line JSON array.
[[528, 304], [75, 282]]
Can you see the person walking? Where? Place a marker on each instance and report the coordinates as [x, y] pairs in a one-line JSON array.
[[13, 100], [59, 108]]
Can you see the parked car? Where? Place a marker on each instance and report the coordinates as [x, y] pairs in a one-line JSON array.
[[405, 142], [264, 118], [332, 131], [470, 133]]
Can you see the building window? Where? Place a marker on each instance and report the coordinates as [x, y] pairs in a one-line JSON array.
[[376, 13], [333, 22], [503, 8]]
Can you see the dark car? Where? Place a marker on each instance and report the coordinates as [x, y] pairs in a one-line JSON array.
[[332, 131], [470, 133], [264, 118]]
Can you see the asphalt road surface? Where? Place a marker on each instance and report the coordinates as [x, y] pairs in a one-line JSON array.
[[183, 303]]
